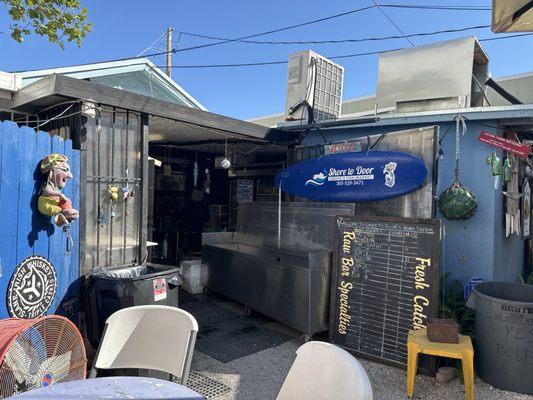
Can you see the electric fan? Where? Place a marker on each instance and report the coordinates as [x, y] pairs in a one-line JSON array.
[[39, 352]]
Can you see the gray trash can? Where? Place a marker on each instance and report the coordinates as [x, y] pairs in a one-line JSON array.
[[504, 334], [110, 290]]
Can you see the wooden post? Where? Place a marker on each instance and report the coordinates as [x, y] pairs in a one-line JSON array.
[[169, 52]]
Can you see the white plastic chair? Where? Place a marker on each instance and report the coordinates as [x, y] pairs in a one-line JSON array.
[[152, 337], [323, 371]]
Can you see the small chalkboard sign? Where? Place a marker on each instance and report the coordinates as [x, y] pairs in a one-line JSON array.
[[385, 281]]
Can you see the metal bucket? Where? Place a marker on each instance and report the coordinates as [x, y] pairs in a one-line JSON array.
[[504, 334]]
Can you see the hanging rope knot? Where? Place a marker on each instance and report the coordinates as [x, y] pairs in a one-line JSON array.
[[462, 120], [458, 202]]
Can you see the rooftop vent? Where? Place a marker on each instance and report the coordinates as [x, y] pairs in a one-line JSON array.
[[11, 82], [443, 75], [512, 16], [313, 82]]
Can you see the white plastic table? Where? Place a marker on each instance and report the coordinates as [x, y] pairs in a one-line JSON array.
[[120, 387]]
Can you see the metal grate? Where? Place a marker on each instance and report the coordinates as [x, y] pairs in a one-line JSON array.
[[208, 387], [233, 339], [208, 314], [328, 89]]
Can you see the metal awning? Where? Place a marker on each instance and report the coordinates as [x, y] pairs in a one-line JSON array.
[[184, 124], [507, 115]]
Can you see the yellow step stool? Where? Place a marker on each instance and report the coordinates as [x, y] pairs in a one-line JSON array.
[[418, 342]]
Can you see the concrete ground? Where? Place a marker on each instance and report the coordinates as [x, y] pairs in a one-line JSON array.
[[259, 376]]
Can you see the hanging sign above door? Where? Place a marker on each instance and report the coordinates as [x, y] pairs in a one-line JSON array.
[[345, 147], [511, 146], [354, 177]]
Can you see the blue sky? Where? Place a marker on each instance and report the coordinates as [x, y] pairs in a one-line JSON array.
[[123, 28]]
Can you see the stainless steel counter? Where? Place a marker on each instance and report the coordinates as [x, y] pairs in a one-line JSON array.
[[290, 285]]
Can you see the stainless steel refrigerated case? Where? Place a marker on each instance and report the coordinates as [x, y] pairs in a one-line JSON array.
[[289, 284]]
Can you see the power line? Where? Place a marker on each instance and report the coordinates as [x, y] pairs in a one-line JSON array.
[[277, 30], [437, 7], [334, 41], [406, 6], [269, 62], [107, 61], [363, 54], [152, 46], [254, 64], [429, 7], [392, 22], [264, 63], [505, 37]]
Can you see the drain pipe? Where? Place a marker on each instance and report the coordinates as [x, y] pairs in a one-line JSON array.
[[502, 92]]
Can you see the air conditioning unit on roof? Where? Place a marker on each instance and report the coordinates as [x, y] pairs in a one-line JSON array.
[[316, 82]]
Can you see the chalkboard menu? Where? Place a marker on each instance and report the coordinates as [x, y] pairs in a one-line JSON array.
[[385, 281]]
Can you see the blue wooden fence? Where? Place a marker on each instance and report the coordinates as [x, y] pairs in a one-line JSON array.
[[23, 230]]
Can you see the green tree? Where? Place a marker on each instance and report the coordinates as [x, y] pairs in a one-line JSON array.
[[56, 20]]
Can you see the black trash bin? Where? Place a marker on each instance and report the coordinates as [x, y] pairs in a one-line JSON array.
[[112, 289], [504, 334]]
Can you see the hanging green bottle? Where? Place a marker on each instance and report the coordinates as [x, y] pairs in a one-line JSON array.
[[507, 170], [495, 164]]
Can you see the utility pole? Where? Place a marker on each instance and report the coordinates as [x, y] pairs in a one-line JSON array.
[[169, 52]]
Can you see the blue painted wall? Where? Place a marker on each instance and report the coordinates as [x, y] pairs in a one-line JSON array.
[[23, 230], [473, 247]]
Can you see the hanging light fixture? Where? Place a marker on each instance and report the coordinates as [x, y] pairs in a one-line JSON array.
[[195, 170], [226, 161]]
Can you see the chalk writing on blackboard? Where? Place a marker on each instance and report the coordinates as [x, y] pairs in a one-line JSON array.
[[384, 283]]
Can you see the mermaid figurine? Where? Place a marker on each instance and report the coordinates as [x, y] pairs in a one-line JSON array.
[[51, 201]]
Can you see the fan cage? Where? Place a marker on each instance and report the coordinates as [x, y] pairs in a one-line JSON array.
[[38, 353]]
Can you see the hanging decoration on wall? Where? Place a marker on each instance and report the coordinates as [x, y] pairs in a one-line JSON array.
[[513, 219], [495, 165], [207, 182], [51, 201], [112, 190], [125, 192], [358, 176], [32, 288], [510, 146], [507, 170], [195, 172], [526, 209], [245, 190], [458, 202]]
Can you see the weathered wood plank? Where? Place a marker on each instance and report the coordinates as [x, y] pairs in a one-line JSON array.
[[24, 231], [27, 199], [8, 206]]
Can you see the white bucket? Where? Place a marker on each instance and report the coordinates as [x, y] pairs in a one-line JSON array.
[[190, 272]]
